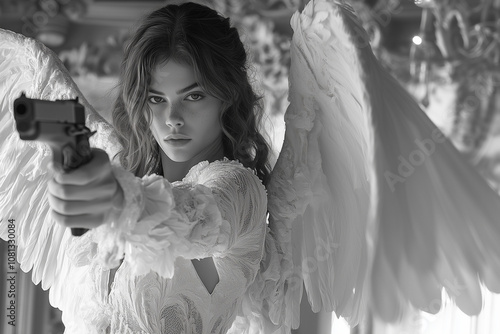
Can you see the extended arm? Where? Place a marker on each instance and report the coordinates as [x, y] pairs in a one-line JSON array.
[[218, 210]]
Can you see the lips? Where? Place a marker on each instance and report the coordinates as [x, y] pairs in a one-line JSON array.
[[176, 140], [176, 137]]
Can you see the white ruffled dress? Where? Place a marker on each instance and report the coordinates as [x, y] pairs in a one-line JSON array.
[[218, 210]]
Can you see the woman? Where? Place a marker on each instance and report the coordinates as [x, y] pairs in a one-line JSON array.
[[368, 202], [185, 111]]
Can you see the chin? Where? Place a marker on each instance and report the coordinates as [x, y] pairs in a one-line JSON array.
[[178, 156]]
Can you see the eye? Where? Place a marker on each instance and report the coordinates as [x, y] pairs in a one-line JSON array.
[[194, 97], [155, 99]]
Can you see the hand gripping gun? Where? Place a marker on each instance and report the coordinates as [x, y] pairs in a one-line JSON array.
[[60, 124]]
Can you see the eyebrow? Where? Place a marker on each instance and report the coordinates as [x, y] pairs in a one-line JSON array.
[[180, 91]]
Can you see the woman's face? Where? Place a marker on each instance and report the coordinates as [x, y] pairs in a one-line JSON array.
[[185, 118]]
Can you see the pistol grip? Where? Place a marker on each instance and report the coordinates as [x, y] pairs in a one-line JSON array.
[[70, 156]]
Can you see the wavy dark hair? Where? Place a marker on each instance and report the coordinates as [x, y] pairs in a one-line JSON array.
[[198, 36]]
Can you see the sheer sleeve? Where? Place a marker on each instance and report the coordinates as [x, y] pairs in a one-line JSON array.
[[218, 210]]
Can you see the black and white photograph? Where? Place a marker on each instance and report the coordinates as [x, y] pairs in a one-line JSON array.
[[249, 166]]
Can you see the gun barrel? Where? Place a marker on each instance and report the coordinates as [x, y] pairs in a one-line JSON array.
[[30, 113], [61, 111]]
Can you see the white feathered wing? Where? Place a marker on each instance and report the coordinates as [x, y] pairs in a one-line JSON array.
[[28, 66], [369, 203], [320, 189]]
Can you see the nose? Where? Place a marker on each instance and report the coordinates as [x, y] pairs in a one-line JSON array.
[[174, 117]]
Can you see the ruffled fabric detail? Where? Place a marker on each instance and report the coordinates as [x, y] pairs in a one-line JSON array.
[[120, 219], [163, 220]]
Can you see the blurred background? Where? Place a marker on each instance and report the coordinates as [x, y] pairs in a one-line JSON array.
[[445, 52]]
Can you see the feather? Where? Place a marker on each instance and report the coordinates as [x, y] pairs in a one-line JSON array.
[[319, 194], [28, 66]]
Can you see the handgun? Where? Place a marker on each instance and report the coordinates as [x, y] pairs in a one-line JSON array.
[[60, 124]]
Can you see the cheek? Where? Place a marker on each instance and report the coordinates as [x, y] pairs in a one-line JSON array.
[[208, 120], [216, 116], [208, 128], [215, 126], [154, 129]]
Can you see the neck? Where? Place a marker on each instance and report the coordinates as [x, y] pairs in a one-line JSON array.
[[176, 171]]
